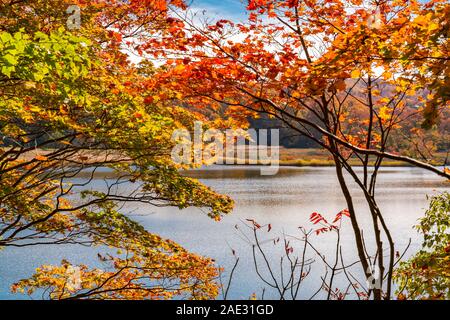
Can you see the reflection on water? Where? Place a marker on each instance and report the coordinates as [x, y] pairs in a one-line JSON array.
[[285, 200]]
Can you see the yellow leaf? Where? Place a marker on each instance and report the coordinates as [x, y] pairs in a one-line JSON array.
[[355, 74], [179, 68], [433, 26], [385, 113], [387, 75]]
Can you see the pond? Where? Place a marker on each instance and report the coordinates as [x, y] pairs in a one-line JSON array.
[[285, 200]]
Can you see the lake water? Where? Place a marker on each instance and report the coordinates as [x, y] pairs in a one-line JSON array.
[[285, 200]]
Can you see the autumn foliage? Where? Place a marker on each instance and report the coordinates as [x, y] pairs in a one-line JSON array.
[[363, 80], [353, 76], [71, 103]]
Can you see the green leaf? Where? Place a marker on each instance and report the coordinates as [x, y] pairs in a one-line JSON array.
[[7, 70], [10, 59], [5, 37]]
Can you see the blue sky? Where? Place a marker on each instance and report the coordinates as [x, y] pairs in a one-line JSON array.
[[221, 8]]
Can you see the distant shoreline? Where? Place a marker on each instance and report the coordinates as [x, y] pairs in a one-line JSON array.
[[309, 157], [288, 157]]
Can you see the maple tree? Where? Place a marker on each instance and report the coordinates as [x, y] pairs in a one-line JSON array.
[[72, 102], [349, 75]]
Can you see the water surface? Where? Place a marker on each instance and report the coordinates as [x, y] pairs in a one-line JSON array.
[[285, 201]]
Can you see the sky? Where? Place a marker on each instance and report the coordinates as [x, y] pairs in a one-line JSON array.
[[225, 9]]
